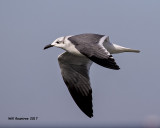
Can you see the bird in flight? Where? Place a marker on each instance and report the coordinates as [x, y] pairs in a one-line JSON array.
[[80, 52]]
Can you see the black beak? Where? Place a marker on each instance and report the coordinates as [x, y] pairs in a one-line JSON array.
[[48, 46]]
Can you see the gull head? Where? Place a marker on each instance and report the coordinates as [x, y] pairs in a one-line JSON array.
[[59, 42]]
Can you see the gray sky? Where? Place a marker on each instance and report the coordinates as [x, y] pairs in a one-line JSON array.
[[30, 79]]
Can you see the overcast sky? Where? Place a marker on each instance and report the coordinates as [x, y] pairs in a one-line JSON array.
[[30, 81]]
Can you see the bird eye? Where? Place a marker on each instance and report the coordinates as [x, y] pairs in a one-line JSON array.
[[57, 42]]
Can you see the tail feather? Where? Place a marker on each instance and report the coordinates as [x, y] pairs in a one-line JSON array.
[[114, 48], [131, 50]]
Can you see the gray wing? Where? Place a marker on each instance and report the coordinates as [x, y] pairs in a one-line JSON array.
[[91, 45], [75, 73]]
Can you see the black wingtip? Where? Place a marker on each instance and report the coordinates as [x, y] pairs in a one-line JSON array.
[[116, 67], [106, 62], [90, 116], [88, 112]]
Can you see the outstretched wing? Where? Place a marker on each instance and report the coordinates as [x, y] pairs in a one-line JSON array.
[[75, 73], [91, 45]]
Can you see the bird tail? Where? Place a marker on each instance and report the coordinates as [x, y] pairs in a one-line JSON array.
[[119, 49], [131, 50]]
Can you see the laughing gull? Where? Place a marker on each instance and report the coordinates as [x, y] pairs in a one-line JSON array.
[[81, 51]]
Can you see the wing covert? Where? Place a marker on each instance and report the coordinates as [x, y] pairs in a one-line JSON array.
[[91, 45], [75, 73]]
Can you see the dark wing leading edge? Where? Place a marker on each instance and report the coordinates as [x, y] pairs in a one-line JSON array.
[[75, 73], [91, 45]]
